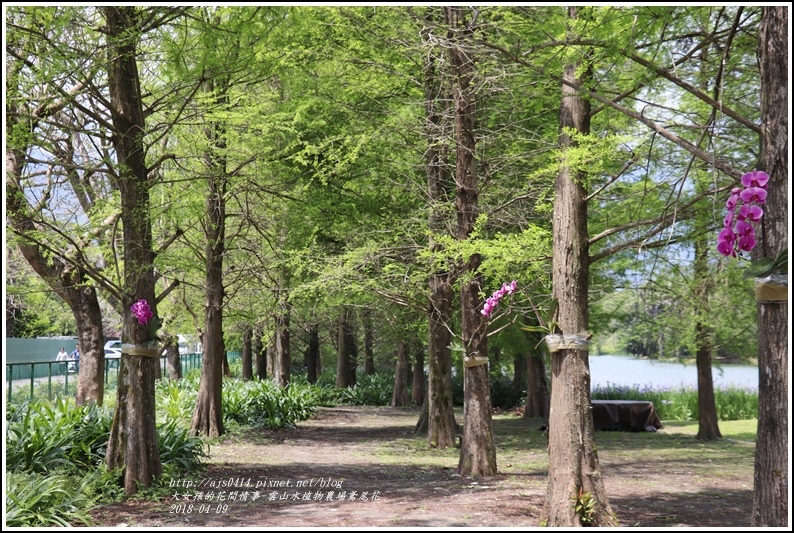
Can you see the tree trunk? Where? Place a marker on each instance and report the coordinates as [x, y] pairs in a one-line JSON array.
[[133, 436], [369, 355], [478, 450], [246, 355], [343, 350], [258, 349], [313, 354], [496, 357], [282, 347], [519, 374], [438, 416], [270, 358], [442, 428], [400, 393], [419, 381], [573, 462], [352, 345], [708, 422], [208, 413], [67, 281], [422, 423], [227, 370], [173, 361], [537, 388], [770, 491]]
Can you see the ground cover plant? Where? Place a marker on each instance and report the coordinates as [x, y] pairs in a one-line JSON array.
[[681, 403], [55, 451]]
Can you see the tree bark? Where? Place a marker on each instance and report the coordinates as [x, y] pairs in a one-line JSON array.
[[352, 345], [258, 349], [282, 346], [519, 374], [708, 422], [478, 450], [133, 437], [573, 462], [442, 428], [313, 354], [770, 494], [369, 355], [537, 388], [344, 336], [438, 416], [246, 355], [270, 358], [418, 385], [399, 396], [173, 361], [208, 413]]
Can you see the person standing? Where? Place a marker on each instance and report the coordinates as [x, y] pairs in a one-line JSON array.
[[75, 357], [62, 357]]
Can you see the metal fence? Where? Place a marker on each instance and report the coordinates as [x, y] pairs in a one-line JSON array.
[[54, 378]]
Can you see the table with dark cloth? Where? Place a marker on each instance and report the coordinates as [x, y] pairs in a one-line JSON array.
[[625, 415]]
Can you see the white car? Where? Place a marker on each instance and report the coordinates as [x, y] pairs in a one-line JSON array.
[[113, 349]]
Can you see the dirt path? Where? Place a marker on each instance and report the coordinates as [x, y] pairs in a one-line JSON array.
[[363, 467]]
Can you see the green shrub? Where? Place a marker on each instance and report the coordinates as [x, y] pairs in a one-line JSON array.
[[681, 404], [503, 395], [57, 498], [376, 389], [263, 403], [43, 436], [180, 449], [176, 399]]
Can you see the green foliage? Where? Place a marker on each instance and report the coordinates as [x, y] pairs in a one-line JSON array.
[[376, 389], [658, 319], [584, 506], [767, 265], [503, 396], [179, 449], [55, 455], [263, 403], [43, 436], [681, 403], [55, 499], [176, 399], [245, 402]]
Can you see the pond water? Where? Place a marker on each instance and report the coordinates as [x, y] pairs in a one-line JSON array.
[[627, 371]]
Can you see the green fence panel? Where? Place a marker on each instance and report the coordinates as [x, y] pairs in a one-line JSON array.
[[23, 377]]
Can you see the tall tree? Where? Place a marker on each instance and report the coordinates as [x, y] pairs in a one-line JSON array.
[[478, 450], [369, 356], [441, 424], [400, 392], [246, 354], [282, 343], [573, 461], [208, 412], [344, 348], [56, 254], [771, 483], [258, 348], [708, 425], [133, 437], [419, 381]]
